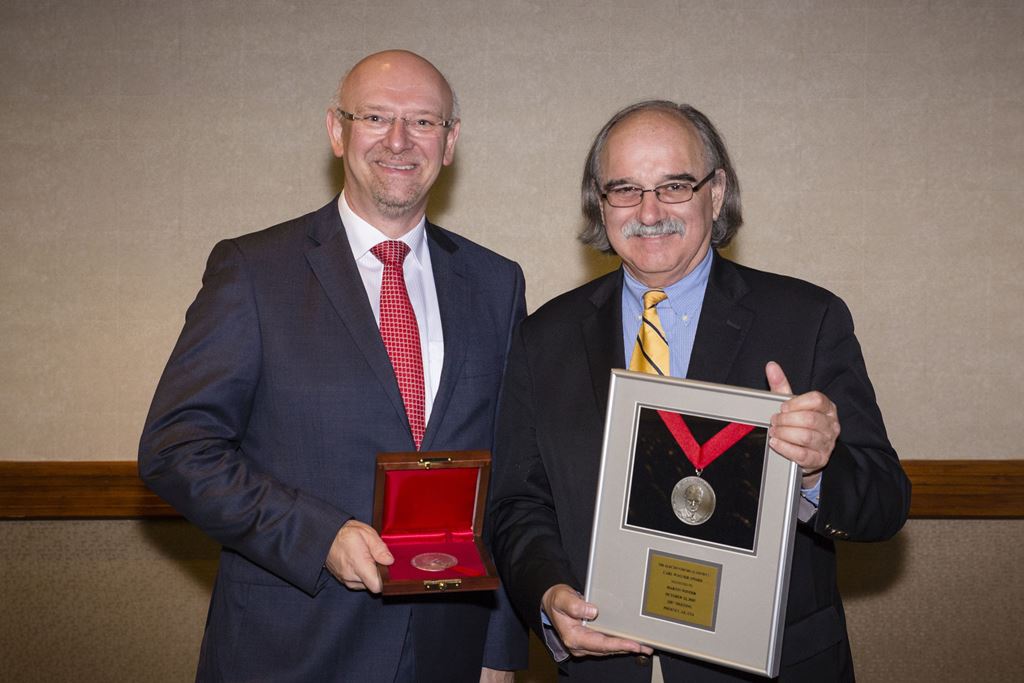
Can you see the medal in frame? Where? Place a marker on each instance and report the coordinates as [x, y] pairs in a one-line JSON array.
[[694, 521]]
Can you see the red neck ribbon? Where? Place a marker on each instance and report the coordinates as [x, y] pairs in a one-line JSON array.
[[702, 455]]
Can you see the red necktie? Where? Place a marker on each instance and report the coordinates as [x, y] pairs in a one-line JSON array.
[[401, 334]]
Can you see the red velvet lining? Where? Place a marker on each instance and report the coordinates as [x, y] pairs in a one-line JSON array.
[[469, 562], [431, 511], [433, 537], [429, 502]]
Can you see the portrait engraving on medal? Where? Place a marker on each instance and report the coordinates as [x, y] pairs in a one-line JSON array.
[[434, 562], [693, 500], [696, 477]]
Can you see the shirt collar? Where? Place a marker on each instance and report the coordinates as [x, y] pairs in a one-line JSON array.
[[679, 292], [362, 236]]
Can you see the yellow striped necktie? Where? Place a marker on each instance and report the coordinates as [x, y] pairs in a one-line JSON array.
[[651, 351]]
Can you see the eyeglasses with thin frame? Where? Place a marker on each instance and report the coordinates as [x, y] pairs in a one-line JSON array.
[[675, 192], [421, 125]]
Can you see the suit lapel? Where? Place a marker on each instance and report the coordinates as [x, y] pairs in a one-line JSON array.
[[335, 268], [602, 335], [453, 300], [723, 326]]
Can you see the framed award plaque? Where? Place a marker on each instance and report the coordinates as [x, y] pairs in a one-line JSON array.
[[694, 522]]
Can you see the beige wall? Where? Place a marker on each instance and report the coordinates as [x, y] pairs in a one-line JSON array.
[[880, 146], [99, 602]]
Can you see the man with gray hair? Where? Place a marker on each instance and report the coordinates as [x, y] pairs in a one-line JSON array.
[[313, 346], [660, 191]]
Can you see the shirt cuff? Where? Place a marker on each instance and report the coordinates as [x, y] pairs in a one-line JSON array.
[[552, 641], [809, 499]]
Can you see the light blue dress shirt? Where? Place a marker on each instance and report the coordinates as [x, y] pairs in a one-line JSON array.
[[678, 313]]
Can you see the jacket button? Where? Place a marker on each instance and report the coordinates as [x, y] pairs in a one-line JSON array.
[[643, 660]]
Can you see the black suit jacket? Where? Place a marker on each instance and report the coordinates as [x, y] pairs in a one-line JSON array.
[[264, 430], [552, 423]]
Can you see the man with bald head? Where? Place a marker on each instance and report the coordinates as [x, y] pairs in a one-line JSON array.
[[312, 346], [660, 191]]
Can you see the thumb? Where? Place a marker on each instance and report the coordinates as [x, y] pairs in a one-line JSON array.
[[578, 608], [777, 381], [563, 599], [379, 550]]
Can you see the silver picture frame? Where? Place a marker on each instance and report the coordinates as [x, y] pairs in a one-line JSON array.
[[712, 586]]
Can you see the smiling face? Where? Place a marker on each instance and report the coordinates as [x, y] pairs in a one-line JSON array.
[[388, 175], [648, 149]]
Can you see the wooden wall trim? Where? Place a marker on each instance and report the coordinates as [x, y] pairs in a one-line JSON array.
[[953, 489], [77, 490], [966, 488]]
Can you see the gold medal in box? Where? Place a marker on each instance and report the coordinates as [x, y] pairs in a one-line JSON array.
[[429, 510]]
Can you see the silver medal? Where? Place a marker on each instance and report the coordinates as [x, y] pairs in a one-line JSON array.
[[693, 500], [434, 562]]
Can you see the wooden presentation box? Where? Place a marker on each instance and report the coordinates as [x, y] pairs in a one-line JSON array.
[[429, 509]]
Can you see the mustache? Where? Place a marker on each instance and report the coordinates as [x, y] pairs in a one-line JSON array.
[[668, 226]]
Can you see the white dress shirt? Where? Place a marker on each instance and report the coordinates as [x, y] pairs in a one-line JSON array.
[[419, 281]]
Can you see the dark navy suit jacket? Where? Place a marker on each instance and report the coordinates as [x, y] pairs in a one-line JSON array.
[[549, 451], [264, 430]]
